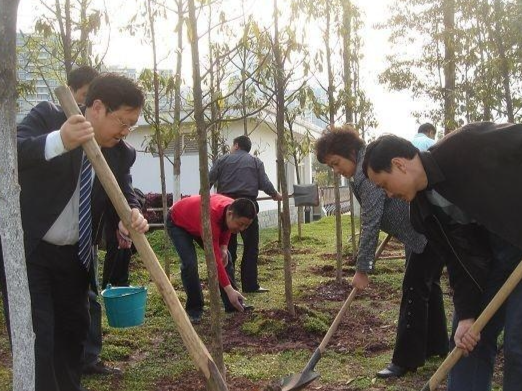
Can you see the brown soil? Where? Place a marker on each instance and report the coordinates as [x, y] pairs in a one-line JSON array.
[[361, 330]]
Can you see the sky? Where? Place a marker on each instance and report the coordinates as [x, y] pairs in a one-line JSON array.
[[393, 110]]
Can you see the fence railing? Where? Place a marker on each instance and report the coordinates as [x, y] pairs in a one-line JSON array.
[[327, 195]]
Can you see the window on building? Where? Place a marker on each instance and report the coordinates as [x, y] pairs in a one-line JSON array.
[[189, 146]]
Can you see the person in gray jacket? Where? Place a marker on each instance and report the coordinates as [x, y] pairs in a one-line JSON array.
[[241, 175], [421, 331]]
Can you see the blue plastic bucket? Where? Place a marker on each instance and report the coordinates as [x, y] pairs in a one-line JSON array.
[[125, 306]]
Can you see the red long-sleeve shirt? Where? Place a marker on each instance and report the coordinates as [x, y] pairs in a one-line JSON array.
[[186, 214]]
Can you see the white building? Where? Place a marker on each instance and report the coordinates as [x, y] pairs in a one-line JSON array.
[[146, 169]]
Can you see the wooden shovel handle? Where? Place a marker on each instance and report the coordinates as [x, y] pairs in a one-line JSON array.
[[346, 304], [478, 325], [337, 320], [193, 343]]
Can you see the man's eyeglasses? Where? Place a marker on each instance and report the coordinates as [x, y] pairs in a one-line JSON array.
[[122, 124]]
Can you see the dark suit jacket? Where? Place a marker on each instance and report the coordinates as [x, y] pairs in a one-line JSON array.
[[47, 186], [480, 171]]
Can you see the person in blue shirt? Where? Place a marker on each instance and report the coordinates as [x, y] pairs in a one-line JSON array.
[[425, 137]]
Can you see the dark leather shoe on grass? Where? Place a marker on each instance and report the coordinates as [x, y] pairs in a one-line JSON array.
[[99, 368], [195, 318], [393, 370]]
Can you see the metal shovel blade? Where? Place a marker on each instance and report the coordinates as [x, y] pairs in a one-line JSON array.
[[298, 381]]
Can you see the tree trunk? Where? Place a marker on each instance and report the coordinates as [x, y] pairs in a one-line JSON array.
[[347, 60], [331, 111], [159, 139], [349, 101], [65, 33], [85, 50], [504, 62], [176, 193], [215, 305], [297, 177], [449, 66], [279, 83], [11, 233]]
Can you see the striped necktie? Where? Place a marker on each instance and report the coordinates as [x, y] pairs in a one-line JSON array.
[[85, 224]]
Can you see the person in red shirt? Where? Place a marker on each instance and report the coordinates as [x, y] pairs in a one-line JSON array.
[[227, 216]]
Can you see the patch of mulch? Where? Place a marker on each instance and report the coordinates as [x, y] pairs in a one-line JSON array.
[[362, 328], [331, 270], [328, 256], [194, 382], [294, 336], [331, 290]]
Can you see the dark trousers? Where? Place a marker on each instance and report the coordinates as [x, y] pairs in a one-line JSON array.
[[250, 256], [421, 330], [93, 344], [58, 284], [475, 372], [116, 263], [184, 244]]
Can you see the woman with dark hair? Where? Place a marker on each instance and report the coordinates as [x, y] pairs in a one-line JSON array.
[[421, 331]]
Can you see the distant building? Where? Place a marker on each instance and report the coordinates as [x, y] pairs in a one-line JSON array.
[[146, 170], [28, 74]]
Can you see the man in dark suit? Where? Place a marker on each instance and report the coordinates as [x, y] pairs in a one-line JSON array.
[[50, 161], [241, 175]]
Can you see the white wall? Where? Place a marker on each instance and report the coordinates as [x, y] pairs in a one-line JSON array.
[[146, 169]]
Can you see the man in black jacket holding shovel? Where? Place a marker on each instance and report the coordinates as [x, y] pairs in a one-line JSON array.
[[470, 179]]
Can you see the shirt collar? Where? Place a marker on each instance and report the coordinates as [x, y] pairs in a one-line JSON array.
[[432, 169]]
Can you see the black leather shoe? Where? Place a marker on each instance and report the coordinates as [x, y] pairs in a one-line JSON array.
[[99, 368], [195, 317], [258, 290], [393, 370]]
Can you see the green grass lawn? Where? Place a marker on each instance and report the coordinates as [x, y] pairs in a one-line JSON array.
[[266, 344]]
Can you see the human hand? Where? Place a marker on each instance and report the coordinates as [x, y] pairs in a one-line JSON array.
[[138, 223], [235, 298], [123, 240], [277, 197], [360, 280], [464, 338], [76, 131]]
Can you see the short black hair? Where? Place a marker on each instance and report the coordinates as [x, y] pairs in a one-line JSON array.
[[243, 143], [379, 153], [243, 207], [343, 141], [426, 128], [81, 76], [115, 91]]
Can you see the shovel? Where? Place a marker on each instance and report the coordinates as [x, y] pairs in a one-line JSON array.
[[300, 380], [485, 316], [197, 350], [303, 195]]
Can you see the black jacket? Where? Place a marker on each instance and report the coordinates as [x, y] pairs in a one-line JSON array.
[[47, 186], [465, 249], [481, 168], [477, 168]]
